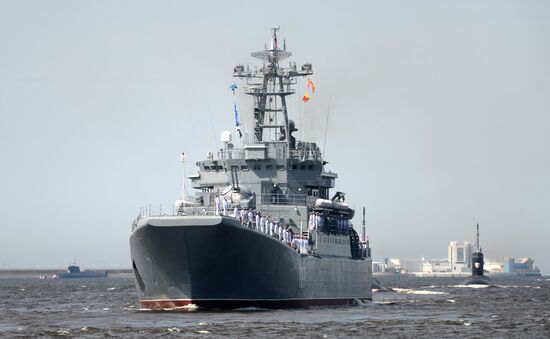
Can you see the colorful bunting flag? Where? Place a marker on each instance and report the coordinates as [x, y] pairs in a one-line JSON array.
[[311, 84]]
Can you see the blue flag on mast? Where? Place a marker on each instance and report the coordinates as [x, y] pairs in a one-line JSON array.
[[233, 88]]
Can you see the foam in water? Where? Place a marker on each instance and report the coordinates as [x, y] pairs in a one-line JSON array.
[[190, 307], [420, 292], [251, 308], [470, 286]]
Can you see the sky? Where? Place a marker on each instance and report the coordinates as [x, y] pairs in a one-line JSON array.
[[438, 117]]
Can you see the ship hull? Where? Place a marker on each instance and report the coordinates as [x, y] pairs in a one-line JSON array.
[[213, 262], [478, 280]]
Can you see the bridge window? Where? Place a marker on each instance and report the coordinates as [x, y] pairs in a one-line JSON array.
[[280, 167], [244, 168], [207, 168], [234, 167]]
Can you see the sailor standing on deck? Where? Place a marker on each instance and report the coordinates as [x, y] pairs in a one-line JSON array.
[[266, 224], [235, 212], [271, 225], [243, 216], [262, 221], [257, 221], [217, 203], [316, 225], [302, 245], [225, 204], [250, 217]]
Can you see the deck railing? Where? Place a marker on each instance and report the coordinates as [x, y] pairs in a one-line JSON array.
[[283, 199], [275, 151]]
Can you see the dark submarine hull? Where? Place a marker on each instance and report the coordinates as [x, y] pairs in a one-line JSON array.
[[477, 280], [214, 262]]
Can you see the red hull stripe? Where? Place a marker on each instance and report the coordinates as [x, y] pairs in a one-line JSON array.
[[164, 304]]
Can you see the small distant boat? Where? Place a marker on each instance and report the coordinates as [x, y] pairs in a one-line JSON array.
[[73, 271]]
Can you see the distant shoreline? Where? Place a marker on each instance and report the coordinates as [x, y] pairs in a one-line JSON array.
[[55, 270], [456, 275]]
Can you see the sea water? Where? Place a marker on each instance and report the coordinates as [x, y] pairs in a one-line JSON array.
[[414, 307]]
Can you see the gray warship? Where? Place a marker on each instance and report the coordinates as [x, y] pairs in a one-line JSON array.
[[262, 229]]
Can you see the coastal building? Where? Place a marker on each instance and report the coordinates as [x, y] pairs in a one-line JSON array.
[[509, 265], [459, 255], [397, 266], [458, 260], [378, 267], [494, 266], [436, 266], [523, 266]]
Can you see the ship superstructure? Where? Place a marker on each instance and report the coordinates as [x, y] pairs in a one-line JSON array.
[[262, 228]]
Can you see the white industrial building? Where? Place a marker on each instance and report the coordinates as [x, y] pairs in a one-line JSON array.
[[458, 260]]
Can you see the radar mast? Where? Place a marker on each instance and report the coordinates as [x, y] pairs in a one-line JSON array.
[[270, 85]]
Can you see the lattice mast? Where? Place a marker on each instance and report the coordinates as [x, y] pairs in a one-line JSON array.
[[270, 86]]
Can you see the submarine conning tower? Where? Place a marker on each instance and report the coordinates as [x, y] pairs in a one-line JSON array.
[[477, 258]]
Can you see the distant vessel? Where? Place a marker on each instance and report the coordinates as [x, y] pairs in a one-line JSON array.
[[73, 271], [262, 229], [477, 277]]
